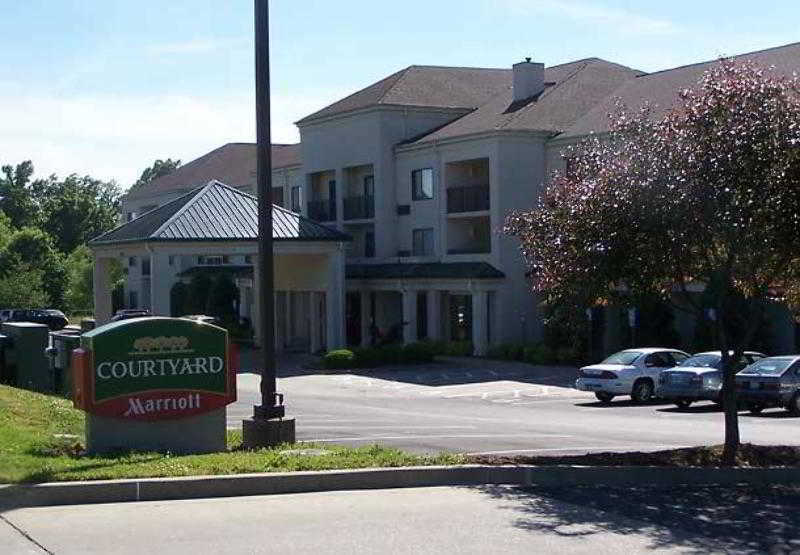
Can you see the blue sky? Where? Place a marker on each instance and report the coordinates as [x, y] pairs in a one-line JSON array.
[[103, 87]]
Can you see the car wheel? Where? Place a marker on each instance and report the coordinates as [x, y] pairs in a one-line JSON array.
[[683, 404], [642, 391], [755, 409], [603, 397], [794, 405]]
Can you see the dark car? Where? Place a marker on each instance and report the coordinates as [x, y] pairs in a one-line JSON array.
[[771, 382], [699, 378], [128, 313], [53, 319]]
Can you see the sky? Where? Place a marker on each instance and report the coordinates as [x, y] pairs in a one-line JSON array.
[[105, 87]]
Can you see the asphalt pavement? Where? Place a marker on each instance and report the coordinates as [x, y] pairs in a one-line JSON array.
[[480, 406], [486, 519]]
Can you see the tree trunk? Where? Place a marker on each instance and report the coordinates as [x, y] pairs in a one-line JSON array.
[[729, 404]]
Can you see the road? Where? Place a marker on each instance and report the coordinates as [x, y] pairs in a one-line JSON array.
[[487, 519], [478, 406]]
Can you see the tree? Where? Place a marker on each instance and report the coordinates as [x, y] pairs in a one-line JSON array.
[[707, 193], [16, 198], [80, 280], [31, 251], [158, 169], [76, 209]]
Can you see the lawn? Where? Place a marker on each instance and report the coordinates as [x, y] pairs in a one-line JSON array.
[[41, 440]]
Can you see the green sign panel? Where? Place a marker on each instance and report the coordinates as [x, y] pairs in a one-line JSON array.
[[154, 368]]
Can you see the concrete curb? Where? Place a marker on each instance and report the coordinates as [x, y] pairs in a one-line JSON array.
[[194, 487]]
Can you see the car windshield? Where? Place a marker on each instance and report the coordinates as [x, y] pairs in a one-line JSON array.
[[622, 357], [769, 366], [702, 361]]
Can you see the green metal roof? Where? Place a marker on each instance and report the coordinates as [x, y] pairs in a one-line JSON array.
[[216, 212], [433, 270]]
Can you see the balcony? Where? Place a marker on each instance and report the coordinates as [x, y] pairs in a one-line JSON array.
[[359, 208], [322, 210], [467, 199]]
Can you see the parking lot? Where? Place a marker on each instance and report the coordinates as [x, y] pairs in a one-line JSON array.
[[480, 406]]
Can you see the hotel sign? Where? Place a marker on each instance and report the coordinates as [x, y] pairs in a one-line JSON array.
[[154, 369]]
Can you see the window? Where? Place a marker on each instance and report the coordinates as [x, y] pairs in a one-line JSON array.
[[248, 259], [422, 242], [369, 244], [131, 261], [296, 199], [369, 185], [133, 299], [171, 260], [145, 266], [422, 184], [277, 196]]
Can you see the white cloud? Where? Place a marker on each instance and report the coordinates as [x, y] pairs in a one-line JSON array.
[[112, 137], [622, 21]]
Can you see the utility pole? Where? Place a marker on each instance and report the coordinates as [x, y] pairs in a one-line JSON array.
[[268, 426]]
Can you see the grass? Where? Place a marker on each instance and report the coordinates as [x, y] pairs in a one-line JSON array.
[[41, 440]]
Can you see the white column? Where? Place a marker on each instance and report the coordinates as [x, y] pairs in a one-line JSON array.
[[313, 321], [102, 290], [409, 316], [334, 300], [480, 341], [365, 318], [434, 315], [256, 302], [162, 277]]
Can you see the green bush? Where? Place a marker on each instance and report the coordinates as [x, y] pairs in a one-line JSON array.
[[342, 358], [422, 351], [459, 349]]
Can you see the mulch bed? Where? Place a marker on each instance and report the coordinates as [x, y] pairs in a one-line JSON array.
[[749, 456]]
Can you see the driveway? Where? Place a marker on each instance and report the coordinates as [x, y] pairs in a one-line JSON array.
[[481, 406]]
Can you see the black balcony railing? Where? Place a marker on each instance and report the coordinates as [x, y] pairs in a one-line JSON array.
[[467, 199], [359, 208], [322, 210]]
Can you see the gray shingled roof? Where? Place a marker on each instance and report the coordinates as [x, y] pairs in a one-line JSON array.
[[216, 212], [425, 86], [431, 270], [660, 89], [233, 163], [572, 90]]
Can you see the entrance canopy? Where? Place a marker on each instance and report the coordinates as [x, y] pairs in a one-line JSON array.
[[216, 220]]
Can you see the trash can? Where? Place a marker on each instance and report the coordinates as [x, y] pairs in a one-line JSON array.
[[29, 364], [63, 345]]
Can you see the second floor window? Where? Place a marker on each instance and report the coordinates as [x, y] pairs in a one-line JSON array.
[[296, 199], [422, 242], [422, 184], [145, 266]]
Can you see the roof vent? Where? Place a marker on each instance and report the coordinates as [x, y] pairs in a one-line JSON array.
[[528, 79]]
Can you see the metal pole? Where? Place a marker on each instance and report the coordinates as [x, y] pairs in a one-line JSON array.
[[271, 402]]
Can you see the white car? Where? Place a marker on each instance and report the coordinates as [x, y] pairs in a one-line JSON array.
[[633, 372]]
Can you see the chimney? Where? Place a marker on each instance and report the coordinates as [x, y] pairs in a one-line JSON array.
[[528, 79]]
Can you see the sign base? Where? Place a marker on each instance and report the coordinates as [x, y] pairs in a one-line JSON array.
[[202, 433], [258, 433]]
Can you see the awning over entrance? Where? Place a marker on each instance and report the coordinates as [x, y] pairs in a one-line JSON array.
[[173, 242], [432, 270], [215, 212]]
